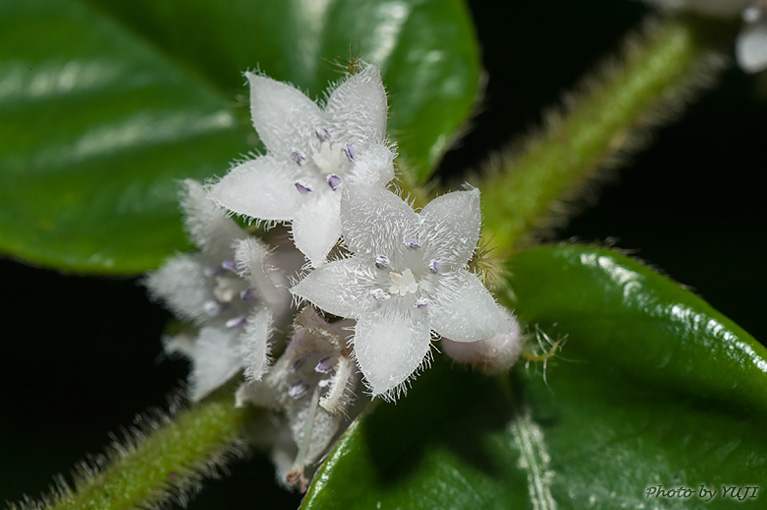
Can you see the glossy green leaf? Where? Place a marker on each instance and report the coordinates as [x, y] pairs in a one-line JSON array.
[[104, 105], [610, 420]]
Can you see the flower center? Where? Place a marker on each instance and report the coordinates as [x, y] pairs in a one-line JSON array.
[[403, 283], [330, 161]]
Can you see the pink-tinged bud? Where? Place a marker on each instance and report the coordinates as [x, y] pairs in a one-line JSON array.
[[492, 355]]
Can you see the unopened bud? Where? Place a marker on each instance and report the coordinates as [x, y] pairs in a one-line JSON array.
[[492, 355]]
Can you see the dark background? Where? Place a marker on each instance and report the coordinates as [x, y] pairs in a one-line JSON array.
[[81, 356]]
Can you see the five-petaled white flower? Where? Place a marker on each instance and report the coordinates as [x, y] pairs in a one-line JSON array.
[[227, 290], [312, 153], [751, 45], [407, 277], [310, 387]]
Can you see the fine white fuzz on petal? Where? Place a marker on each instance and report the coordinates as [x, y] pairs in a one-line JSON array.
[[491, 355], [284, 118], [208, 228], [390, 346], [357, 107], [317, 227], [262, 188], [181, 284], [216, 359], [464, 311]]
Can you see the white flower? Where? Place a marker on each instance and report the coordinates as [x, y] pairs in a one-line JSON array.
[[311, 387], [227, 290], [751, 45], [407, 276], [312, 152]]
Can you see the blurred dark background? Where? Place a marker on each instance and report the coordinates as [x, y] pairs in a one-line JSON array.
[[81, 356]]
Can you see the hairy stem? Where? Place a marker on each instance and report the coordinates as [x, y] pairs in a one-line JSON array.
[[162, 460], [527, 192]]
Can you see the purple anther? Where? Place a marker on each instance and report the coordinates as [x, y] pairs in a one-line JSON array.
[[349, 152], [434, 266], [379, 294], [382, 261], [248, 294], [297, 364], [303, 189], [322, 134], [213, 307], [236, 322], [229, 265], [324, 366], [421, 303], [297, 157], [334, 181], [298, 390], [412, 244]]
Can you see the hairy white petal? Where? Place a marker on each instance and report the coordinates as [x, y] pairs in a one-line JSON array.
[[207, 225], [251, 256], [284, 118], [181, 284], [373, 167], [216, 359], [255, 344], [341, 287], [317, 227], [463, 310], [357, 108], [751, 47], [390, 345], [262, 188], [450, 227], [376, 221]]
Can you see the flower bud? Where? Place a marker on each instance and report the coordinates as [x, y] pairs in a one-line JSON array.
[[492, 355]]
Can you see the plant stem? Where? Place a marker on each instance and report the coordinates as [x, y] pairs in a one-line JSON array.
[[164, 461], [657, 72]]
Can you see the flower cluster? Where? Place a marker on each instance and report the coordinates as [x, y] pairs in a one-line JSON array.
[[751, 45], [397, 279]]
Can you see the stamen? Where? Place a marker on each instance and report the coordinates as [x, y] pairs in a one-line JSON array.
[[297, 364], [334, 181], [322, 134], [421, 303], [248, 294], [434, 266], [298, 390], [379, 294], [324, 366], [303, 189], [297, 157], [382, 261], [348, 151], [412, 244], [213, 307], [229, 265], [236, 322]]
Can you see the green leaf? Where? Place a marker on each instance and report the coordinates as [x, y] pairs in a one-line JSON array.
[[104, 105], [653, 387]]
